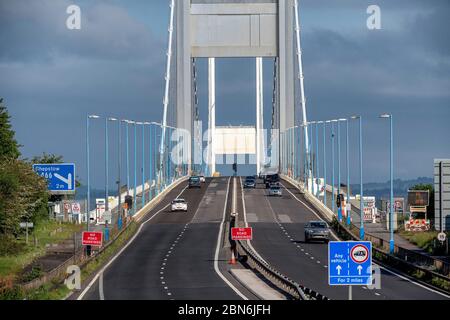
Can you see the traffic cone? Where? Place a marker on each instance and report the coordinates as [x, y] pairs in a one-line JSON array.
[[233, 258]]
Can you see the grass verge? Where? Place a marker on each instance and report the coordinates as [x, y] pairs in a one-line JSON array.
[[46, 232], [57, 290]]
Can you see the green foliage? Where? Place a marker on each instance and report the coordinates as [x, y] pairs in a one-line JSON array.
[[23, 196], [8, 145], [35, 273], [8, 246], [47, 159]]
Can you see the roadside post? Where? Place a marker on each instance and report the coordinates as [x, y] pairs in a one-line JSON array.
[[26, 226], [91, 239], [350, 264]]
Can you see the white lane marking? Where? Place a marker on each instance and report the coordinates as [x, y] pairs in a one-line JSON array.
[[413, 282], [100, 287], [81, 296], [387, 270], [216, 255], [309, 208], [249, 243]]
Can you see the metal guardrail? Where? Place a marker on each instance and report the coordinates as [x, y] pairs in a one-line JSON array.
[[289, 286], [398, 262]]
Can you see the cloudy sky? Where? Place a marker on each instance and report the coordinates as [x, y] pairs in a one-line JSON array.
[[52, 77]]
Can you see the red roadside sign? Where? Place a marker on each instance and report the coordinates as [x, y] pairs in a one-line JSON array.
[[238, 234], [92, 239]]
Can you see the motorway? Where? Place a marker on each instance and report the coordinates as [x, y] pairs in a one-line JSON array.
[[279, 238], [174, 256], [180, 256]]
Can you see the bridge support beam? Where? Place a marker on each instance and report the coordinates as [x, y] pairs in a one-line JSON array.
[[212, 115]]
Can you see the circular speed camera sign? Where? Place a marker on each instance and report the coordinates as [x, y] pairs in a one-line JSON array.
[[359, 253]]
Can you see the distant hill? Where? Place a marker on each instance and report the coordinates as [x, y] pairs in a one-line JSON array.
[[383, 190]]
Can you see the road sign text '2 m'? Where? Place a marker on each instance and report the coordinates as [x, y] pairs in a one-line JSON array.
[[241, 234]]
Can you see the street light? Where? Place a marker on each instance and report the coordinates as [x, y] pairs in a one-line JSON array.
[[128, 122], [361, 200], [334, 166], [143, 163], [88, 206], [325, 162], [135, 124], [107, 162], [391, 209], [348, 172]]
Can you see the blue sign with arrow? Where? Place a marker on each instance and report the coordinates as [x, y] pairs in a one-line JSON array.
[[350, 263], [60, 177]]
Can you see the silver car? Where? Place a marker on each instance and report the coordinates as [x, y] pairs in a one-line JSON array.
[[275, 190], [317, 230]]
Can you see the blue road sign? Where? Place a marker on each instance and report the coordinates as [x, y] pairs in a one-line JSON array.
[[350, 263], [60, 177]]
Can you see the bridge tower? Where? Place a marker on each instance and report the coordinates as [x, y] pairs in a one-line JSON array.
[[238, 28]]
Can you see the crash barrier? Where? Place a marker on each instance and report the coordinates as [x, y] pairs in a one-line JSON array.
[[79, 258], [287, 285], [427, 269]]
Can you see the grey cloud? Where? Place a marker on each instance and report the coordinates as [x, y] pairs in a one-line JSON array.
[[36, 31]]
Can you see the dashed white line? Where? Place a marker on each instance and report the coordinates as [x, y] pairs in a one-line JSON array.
[[94, 280]]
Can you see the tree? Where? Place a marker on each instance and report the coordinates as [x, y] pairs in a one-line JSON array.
[[429, 187], [47, 159], [9, 147], [23, 196]]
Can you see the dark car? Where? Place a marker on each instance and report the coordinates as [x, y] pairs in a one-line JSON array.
[[317, 230], [271, 179], [250, 182], [195, 182]]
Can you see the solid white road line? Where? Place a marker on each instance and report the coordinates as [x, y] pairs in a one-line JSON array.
[[385, 269], [81, 296], [216, 255], [246, 223]]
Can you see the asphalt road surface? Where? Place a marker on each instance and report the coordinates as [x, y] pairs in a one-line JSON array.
[[173, 255], [278, 224]]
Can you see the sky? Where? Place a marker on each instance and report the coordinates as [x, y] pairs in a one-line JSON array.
[[52, 77]]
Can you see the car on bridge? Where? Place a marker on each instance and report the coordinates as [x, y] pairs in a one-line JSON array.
[[275, 190], [250, 182], [270, 179], [179, 205], [195, 182], [317, 230]]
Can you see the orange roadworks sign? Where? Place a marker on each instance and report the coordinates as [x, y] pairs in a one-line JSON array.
[[92, 239], [238, 234]]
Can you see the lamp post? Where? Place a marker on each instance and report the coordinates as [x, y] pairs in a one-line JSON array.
[[135, 167], [339, 167], [312, 157], [127, 150], [88, 206], [325, 162], [348, 211], [107, 162], [361, 200], [391, 207], [119, 165], [317, 160], [150, 158], [143, 162], [333, 166]]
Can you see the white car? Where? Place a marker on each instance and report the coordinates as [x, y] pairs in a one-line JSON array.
[[179, 205], [202, 179]]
